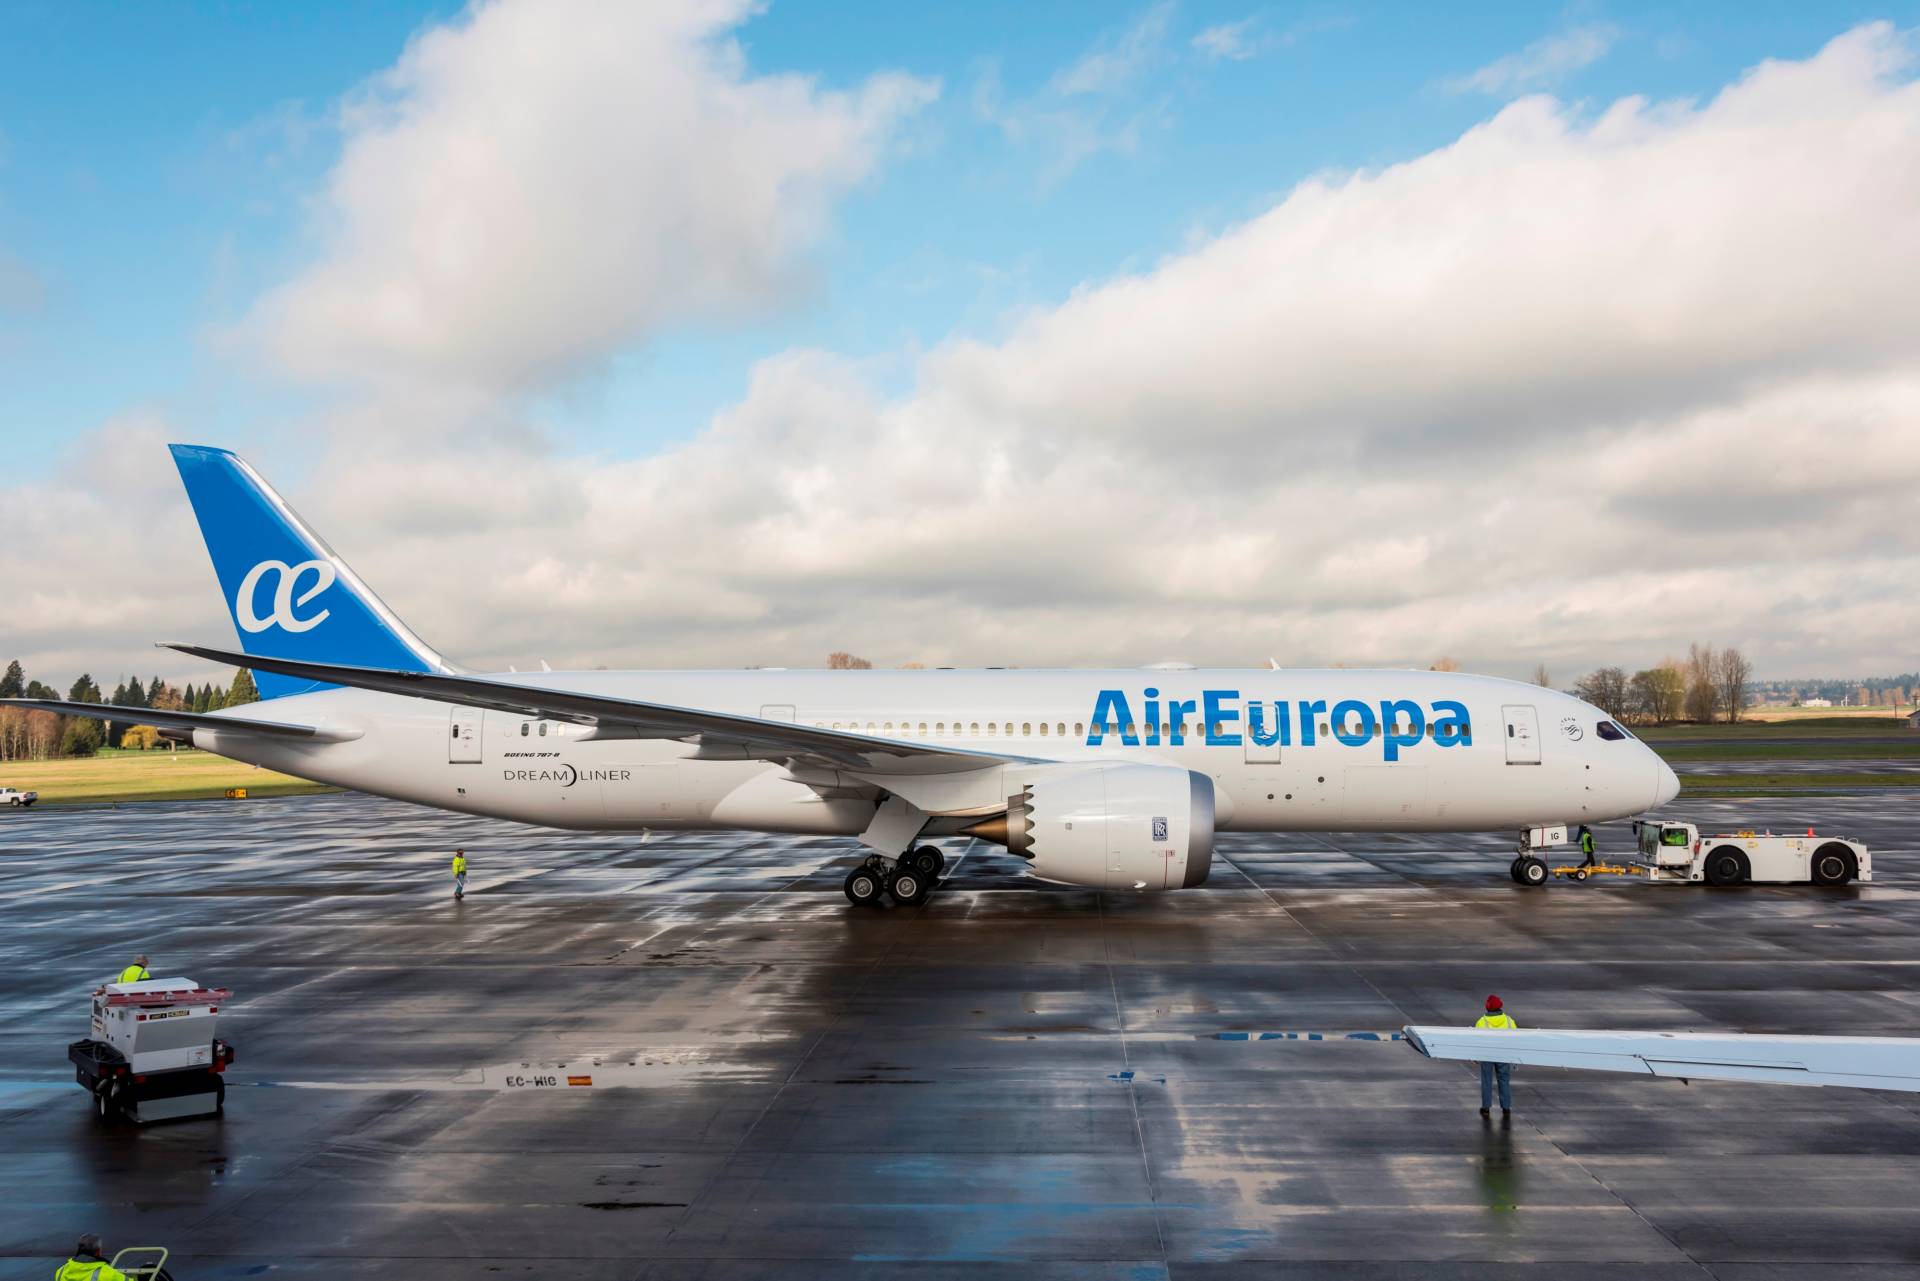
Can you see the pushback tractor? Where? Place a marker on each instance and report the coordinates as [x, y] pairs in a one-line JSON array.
[[152, 1053], [1673, 851]]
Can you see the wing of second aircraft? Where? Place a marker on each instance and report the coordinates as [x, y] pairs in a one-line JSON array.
[[719, 734], [1870, 1062]]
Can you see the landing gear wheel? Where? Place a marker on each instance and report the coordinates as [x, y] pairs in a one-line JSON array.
[[926, 860], [908, 887], [1513, 870], [1533, 872], [1726, 865], [864, 886], [1832, 865]]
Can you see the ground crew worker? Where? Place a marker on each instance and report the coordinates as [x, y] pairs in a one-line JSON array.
[[1586, 844], [1499, 1020], [89, 1263], [135, 973], [459, 873]]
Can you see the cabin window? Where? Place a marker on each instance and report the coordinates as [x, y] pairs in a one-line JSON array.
[[1043, 729], [1131, 730], [1026, 728], [1079, 729], [543, 729], [1063, 729], [526, 728]]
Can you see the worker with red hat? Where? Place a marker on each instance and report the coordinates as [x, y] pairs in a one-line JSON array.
[[1497, 1019]]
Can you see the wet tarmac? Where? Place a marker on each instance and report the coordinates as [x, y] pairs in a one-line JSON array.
[[1011, 1080]]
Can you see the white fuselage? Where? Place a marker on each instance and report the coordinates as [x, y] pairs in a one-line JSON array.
[[1521, 755]]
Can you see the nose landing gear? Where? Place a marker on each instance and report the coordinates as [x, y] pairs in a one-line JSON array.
[[1529, 871]]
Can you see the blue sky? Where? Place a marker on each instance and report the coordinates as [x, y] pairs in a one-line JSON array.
[[157, 165], [700, 332]]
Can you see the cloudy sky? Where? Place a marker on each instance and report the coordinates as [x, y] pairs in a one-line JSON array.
[[710, 334]]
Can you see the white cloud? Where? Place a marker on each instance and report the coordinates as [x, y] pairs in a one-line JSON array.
[[1542, 64], [1229, 40], [538, 184], [1568, 389], [1114, 63], [1096, 104]]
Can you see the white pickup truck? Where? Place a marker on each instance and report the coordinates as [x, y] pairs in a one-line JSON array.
[[15, 797]]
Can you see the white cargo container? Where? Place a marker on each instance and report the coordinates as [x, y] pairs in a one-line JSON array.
[[1673, 851], [153, 1053]]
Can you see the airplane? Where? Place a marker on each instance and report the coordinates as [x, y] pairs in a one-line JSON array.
[[1115, 779]]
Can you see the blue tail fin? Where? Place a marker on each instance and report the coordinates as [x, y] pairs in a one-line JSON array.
[[289, 594]]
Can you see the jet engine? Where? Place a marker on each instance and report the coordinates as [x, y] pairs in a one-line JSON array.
[[1132, 827]]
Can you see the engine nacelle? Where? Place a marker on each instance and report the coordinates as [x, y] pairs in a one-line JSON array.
[[1132, 827]]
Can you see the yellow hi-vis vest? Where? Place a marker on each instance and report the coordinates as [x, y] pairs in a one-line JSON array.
[[459, 864], [88, 1270], [1498, 1022], [134, 974]]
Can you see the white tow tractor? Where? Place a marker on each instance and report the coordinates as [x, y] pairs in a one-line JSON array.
[[151, 1053], [1673, 851]]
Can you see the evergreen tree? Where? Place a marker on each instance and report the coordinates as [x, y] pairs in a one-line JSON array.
[[136, 695], [37, 690], [154, 687], [14, 683], [84, 691], [190, 698], [243, 690], [82, 736]]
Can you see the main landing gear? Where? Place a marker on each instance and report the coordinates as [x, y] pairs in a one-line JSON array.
[[908, 881]]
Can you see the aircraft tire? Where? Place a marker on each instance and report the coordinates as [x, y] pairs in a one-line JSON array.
[[1513, 870], [1832, 864], [864, 886], [1727, 865], [908, 887], [1533, 872], [926, 860]]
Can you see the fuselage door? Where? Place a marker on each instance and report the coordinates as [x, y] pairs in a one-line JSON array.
[[463, 742], [1523, 734]]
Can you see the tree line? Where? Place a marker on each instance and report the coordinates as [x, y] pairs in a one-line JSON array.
[[37, 735], [1708, 685]]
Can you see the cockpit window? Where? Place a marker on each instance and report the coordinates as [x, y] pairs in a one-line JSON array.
[[1609, 731]]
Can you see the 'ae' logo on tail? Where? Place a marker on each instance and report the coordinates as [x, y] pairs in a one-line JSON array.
[[287, 580]]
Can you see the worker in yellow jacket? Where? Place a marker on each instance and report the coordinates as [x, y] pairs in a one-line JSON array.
[[459, 873], [1497, 1019], [135, 973], [89, 1263]]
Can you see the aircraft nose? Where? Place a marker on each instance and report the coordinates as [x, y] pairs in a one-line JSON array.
[[1666, 784]]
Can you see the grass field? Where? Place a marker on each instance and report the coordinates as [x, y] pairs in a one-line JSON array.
[[1796, 783], [146, 776], [1836, 727], [1761, 750]]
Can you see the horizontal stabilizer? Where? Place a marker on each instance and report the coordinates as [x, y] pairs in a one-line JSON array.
[[1865, 1062], [182, 722], [721, 734]]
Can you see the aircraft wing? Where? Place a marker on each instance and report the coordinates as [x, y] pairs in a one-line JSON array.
[[721, 735], [1869, 1062], [185, 722]]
